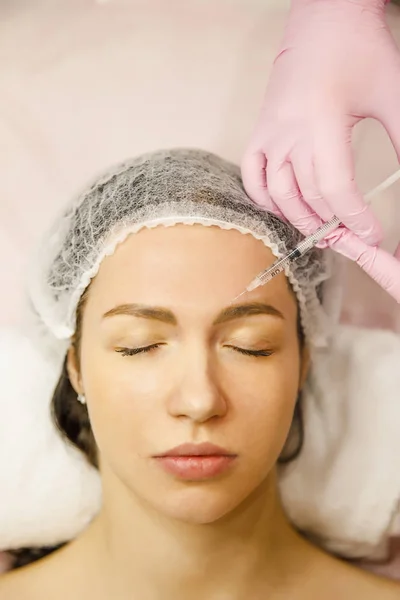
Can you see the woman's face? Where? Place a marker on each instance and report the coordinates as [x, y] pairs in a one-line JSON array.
[[167, 360]]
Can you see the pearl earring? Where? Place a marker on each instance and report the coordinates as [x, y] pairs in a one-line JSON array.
[[81, 398]]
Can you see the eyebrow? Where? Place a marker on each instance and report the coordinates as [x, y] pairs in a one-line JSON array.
[[164, 315], [145, 312], [247, 310]]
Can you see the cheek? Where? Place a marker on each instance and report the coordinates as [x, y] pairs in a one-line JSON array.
[[264, 397], [125, 401]]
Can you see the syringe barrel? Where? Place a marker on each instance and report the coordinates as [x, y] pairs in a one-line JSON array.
[[313, 239]]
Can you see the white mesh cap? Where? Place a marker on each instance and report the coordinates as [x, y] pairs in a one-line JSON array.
[[167, 187]]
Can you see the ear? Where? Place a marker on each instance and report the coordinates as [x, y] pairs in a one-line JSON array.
[[304, 366], [73, 370]]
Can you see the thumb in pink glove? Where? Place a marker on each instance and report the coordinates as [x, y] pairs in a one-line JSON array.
[[378, 264], [338, 64]]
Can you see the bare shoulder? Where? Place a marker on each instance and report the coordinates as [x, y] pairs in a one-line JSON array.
[[339, 579], [21, 584], [49, 577], [353, 582], [383, 589], [33, 582]]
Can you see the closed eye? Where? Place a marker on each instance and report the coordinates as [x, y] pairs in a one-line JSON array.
[[144, 349], [141, 350], [251, 352]]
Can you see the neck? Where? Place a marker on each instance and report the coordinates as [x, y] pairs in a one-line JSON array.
[[143, 551]]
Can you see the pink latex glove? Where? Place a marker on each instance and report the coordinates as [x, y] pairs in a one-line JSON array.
[[338, 64]]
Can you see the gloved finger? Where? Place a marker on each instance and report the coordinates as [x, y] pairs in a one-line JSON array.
[[253, 169], [285, 192], [303, 167], [377, 263], [336, 180], [389, 114]]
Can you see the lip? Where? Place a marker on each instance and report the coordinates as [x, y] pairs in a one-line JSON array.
[[196, 462], [204, 449]]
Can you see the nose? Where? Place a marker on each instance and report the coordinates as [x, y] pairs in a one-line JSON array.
[[198, 395]]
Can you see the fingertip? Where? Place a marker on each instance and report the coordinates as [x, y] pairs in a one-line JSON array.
[[253, 167], [258, 195], [253, 170]]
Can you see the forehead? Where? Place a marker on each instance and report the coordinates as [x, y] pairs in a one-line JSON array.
[[187, 266]]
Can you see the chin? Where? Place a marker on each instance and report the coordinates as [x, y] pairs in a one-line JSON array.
[[200, 505]]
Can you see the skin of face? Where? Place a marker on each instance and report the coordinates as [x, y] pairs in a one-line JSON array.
[[194, 385]]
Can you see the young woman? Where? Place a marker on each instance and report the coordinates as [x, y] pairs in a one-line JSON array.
[[185, 401]]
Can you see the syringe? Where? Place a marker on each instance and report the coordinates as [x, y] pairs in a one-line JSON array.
[[309, 242]]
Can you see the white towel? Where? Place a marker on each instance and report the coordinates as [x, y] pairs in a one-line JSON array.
[[48, 491], [344, 488]]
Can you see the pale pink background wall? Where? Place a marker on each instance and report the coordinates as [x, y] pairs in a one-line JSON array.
[[85, 83]]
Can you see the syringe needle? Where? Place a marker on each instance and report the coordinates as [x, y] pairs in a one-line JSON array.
[[237, 297], [309, 242]]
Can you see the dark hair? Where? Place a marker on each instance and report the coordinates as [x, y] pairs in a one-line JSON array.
[[72, 420]]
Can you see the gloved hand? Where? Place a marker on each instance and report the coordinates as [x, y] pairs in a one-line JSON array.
[[338, 64], [378, 264]]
